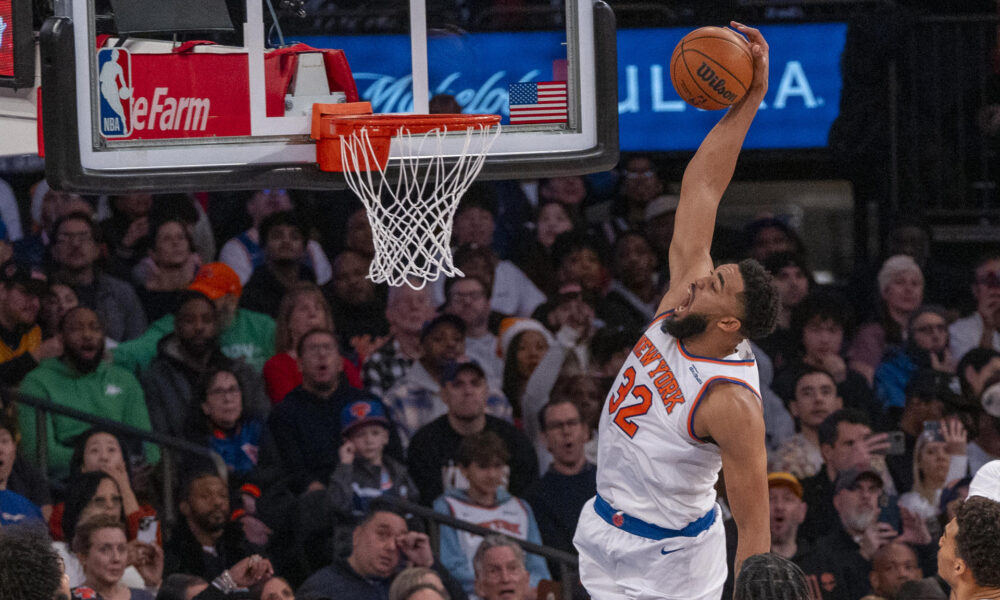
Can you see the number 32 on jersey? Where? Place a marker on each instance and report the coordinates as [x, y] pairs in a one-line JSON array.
[[624, 418]]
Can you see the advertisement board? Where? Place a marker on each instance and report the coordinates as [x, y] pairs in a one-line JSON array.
[[801, 104]]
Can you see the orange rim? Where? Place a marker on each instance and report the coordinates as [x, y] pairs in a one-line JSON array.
[[389, 125]]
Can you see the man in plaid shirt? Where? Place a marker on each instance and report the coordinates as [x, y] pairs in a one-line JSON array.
[[406, 311]]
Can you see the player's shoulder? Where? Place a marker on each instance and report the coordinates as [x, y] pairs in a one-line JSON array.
[[727, 411], [730, 403]]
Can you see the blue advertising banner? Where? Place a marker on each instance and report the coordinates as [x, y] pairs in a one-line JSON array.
[[802, 101], [801, 104]]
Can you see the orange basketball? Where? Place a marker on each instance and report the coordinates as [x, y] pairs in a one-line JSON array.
[[711, 68]]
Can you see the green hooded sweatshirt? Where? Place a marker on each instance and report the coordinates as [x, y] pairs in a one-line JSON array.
[[110, 392]]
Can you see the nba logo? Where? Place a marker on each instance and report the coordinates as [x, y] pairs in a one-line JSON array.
[[114, 72]]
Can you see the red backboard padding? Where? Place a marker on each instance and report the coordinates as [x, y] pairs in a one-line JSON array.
[[279, 67]]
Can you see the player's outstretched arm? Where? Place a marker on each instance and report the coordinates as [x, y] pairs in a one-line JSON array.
[[732, 416], [707, 176]]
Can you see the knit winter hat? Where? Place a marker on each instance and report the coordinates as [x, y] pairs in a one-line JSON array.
[[893, 266], [512, 327]]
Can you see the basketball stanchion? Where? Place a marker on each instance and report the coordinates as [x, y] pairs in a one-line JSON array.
[[411, 205]]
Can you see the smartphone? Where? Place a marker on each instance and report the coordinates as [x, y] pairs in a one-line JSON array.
[[897, 444], [932, 430]]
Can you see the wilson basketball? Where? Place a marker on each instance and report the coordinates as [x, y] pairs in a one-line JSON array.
[[711, 68]]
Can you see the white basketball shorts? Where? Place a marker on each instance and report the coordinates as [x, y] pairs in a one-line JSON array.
[[617, 565]]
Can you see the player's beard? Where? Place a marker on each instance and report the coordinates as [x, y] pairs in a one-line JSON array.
[[686, 327]]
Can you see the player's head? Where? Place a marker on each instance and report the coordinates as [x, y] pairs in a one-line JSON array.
[[969, 550], [770, 577], [735, 300], [30, 568]]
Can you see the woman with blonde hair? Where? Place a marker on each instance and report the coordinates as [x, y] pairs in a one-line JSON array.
[[302, 309], [939, 458]]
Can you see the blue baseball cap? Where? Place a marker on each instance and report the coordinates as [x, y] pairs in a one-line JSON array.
[[360, 413], [454, 368]]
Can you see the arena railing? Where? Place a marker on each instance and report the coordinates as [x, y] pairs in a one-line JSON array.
[[567, 562], [166, 443]]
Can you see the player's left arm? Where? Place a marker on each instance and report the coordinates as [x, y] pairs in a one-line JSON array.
[[732, 416]]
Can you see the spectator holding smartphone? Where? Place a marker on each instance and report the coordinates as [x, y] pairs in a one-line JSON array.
[[846, 442], [939, 458]]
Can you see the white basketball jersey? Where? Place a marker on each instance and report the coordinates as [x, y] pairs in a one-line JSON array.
[[510, 518], [650, 464]]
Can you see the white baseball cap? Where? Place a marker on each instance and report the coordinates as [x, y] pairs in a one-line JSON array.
[[986, 482]]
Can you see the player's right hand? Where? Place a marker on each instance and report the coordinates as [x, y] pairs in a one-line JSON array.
[[761, 57]]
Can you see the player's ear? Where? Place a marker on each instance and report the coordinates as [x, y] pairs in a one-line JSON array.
[[730, 324], [958, 567]]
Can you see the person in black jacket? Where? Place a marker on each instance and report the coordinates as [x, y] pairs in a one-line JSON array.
[[381, 545], [433, 451], [187, 356], [205, 507]]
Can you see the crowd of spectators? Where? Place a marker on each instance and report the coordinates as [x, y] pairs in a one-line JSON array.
[[324, 395]]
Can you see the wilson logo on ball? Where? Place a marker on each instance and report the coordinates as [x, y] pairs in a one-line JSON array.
[[715, 82]]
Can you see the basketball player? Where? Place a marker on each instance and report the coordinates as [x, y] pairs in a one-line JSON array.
[[686, 404]]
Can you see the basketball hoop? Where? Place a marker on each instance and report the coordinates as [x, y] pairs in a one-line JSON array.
[[412, 218]]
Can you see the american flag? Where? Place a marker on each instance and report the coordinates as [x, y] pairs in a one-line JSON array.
[[537, 102]]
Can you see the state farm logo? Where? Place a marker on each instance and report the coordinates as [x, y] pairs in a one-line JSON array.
[[124, 112], [168, 113]]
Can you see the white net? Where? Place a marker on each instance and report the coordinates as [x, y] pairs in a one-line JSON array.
[[412, 218]]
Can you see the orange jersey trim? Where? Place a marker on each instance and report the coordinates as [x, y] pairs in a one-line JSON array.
[[701, 394]]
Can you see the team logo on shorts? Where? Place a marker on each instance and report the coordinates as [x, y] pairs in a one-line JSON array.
[[114, 72], [618, 519]]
